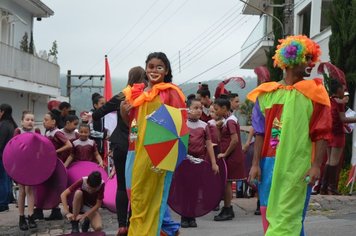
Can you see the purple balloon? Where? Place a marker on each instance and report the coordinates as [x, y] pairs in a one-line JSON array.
[[109, 200], [195, 189], [48, 194], [29, 158]]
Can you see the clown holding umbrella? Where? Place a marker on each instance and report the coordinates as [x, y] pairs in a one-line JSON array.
[[158, 139]]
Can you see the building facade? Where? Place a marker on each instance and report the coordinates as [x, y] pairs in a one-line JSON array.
[[301, 17], [27, 81]]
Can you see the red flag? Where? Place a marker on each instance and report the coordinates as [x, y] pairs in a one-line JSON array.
[[107, 86]]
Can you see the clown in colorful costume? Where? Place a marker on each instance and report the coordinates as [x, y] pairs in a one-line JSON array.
[[148, 188], [288, 118]]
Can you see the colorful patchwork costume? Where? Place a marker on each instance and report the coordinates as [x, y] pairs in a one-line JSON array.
[[291, 118], [148, 189]]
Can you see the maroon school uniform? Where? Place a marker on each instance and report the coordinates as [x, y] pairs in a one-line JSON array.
[[89, 197], [22, 131], [58, 139], [214, 133], [235, 161], [337, 130], [205, 116], [84, 150], [72, 136], [198, 134]]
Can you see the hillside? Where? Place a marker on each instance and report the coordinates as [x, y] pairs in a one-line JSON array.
[[81, 97]]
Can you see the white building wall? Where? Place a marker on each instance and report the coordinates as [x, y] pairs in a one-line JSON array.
[[17, 27], [21, 101]]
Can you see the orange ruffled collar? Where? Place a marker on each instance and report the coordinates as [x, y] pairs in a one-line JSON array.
[[136, 95], [313, 89]]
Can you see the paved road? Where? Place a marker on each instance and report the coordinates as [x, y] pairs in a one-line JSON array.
[[328, 215]]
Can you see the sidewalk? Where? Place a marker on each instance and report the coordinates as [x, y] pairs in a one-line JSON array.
[[321, 208]]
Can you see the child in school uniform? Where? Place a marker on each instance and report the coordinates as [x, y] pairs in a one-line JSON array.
[[84, 149], [27, 126], [88, 197], [61, 144], [199, 145], [231, 151], [70, 130]]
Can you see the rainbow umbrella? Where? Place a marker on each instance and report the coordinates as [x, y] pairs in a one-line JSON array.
[[166, 137]]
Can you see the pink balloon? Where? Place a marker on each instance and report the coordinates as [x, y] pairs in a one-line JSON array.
[[29, 158], [110, 194], [80, 169], [48, 194]]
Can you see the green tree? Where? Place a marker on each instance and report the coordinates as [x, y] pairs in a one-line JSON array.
[[342, 49], [275, 72], [31, 46], [342, 44], [54, 50], [24, 43]]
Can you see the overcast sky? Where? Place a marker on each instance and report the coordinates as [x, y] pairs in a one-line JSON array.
[[204, 31]]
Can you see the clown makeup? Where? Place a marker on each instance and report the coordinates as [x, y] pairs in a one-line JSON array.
[[155, 71]]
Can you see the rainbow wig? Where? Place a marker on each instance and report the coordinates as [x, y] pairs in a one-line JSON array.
[[292, 51]]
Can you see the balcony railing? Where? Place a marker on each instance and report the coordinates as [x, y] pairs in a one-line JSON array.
[[21, 65], [261, 32]]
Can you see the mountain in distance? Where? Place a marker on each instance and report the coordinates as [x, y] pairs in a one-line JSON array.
[[81, 96]]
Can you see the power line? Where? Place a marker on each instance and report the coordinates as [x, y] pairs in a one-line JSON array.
[[206, 39], [169, 17], [221, 62], [226, 15], [213, 44], [125, 35], [113, 58]]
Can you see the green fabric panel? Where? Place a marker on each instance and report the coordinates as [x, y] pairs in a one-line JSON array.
[[157, 134], [292, 161]]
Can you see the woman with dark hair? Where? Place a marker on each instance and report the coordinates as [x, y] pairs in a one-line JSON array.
[[97, 128], [7, 128], [149, 186], [119, 144]]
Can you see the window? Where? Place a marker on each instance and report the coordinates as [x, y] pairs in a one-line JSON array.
[[324, 21], [304, 21]]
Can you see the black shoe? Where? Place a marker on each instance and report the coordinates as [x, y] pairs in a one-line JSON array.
[[31, 222], [75, 226], [258, 211], [55, 214], [22, 223], [38, 214], [184, 223], [85, 225], [225, 214], [4, 208], [239, 194], [193, 223]]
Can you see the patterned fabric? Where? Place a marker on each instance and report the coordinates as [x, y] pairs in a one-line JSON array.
[[291, 121], [148, 188]]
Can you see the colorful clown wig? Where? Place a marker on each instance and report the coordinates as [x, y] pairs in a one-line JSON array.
[[293, 51]]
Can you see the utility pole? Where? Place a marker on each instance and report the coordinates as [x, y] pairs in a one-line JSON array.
[[81, 85]]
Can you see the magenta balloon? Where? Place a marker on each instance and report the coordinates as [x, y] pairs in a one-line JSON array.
[[109, 200], [195, 189], [80, 169], [48, 194], [29, 158]]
